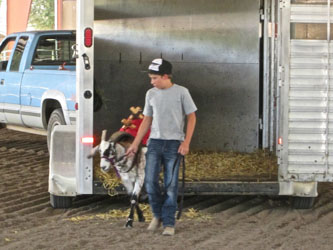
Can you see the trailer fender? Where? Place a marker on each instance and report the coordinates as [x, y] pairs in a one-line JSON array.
[[62, 174], [298, 188]]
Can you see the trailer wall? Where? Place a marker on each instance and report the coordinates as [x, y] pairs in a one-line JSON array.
[[214, 48]]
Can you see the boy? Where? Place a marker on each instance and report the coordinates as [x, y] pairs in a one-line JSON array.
[[165, 109]]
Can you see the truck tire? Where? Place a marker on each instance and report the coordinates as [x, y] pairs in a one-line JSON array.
[[303, 202], [56, 118], [60, 201], [2, 125]]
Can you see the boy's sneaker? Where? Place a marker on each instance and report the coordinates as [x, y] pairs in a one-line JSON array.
[[169, 231], [154, 224]]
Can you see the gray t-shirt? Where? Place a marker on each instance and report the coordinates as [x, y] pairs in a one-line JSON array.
[[168, 107]]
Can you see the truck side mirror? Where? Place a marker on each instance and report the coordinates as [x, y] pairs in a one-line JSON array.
[[75, 52], [3, 65]]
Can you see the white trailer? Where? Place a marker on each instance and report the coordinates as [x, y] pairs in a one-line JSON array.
[[259, 71]]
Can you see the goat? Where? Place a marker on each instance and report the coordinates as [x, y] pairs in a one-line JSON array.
[[130, 168]]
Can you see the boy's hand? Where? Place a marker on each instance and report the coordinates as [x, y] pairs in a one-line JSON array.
[[184, 148], [132, 150]]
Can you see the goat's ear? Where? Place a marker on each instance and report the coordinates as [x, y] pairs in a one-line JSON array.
[[93, 152]]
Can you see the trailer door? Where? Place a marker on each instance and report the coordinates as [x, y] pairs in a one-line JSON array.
[[305, 91]]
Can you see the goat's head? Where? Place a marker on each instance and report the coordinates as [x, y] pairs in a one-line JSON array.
[[107, 151]]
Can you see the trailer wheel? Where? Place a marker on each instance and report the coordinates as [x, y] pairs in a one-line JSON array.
[[2, 125], [56, 118], [60, 201], [303, 202]]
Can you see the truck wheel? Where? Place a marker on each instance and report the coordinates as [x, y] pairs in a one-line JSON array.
[[60, 201], [56, 118], [303, 202]]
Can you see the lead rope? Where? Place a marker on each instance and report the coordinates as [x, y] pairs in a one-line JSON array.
[[183, 189]]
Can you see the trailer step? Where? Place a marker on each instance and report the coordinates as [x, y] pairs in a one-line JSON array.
[[213, 188]]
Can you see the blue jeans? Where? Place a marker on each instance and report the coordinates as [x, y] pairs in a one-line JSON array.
[[162, 152]]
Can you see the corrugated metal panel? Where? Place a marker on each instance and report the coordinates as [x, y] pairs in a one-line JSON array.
[[302, 13], [310, 101]]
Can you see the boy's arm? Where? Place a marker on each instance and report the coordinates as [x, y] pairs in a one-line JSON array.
[[143, 129], [184, 147]]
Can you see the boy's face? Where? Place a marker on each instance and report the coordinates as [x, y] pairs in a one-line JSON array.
[[159, 81]]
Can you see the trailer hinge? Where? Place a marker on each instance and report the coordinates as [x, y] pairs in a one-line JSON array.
[[260, 124], [279, 161], [281, 76], [283, 4], [86, 61], [279, 149], [270, 29], [262, 14]]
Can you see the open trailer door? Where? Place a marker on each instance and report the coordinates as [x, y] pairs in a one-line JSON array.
[[305, 91], [84, 95], [71, 172]]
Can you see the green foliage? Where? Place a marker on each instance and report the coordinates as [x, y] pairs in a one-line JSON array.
[[42, 14]]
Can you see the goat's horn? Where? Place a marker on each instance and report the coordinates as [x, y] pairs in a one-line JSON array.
[[103, 135]]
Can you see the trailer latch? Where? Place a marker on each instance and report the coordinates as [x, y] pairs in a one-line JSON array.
[[86, 61]]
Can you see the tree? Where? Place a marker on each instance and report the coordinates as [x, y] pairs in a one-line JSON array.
[[42, 14]]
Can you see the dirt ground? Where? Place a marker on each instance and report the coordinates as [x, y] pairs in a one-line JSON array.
[[27, 221]]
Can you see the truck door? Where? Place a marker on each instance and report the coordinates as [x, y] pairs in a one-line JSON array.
[[306, 93], [6, 49], [11, 82]]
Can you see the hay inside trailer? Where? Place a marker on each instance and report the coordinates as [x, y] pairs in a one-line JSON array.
[[218, 166], [212, 166]]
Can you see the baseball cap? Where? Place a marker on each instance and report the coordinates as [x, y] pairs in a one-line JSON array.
[[160, 66]]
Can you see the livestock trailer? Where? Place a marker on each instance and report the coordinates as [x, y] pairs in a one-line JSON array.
[[258, 70]]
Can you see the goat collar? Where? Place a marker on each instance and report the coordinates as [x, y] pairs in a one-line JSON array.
[[135, 160], [111, 160]]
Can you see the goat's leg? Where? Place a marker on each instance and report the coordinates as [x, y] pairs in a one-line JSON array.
[[129, 187], [137, 189], [140, 213], [130, 218]]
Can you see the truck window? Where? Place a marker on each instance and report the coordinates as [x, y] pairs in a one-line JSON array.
[[54, 50], [5, 52], [18, 52]]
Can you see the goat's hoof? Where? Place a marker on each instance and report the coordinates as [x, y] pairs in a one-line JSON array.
[[128, 226], [142, 219]]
